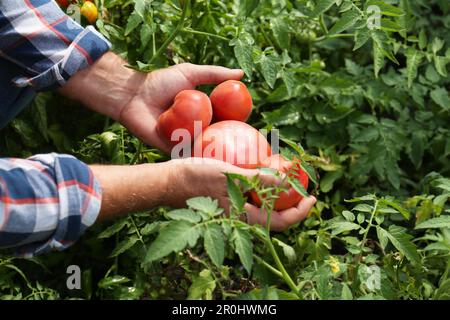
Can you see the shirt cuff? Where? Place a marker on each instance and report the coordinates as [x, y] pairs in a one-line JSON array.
[[80, 197], [86, 48]]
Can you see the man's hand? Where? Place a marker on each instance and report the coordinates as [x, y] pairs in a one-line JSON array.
[[137, 99], [133, 188], [206, 178]]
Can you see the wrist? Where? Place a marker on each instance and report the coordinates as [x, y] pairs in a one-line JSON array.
[[107, 86], [177, 187]]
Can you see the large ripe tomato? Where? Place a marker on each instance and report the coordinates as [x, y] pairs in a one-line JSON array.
[[89, 11], [231, 100], [234, 142], [290, 198], [189, 106]]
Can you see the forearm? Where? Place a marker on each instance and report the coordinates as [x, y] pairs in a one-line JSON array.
[[106, 86], [128, 189]]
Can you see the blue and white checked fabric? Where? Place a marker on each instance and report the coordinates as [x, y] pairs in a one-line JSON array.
[[40, 49], [46, 201]]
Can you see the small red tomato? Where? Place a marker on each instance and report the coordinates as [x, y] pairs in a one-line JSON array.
[[290, 198], [231, 100], [63, 3], [189, 106], [234, 142]]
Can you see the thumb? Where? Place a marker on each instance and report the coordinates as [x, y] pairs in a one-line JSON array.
[[208, 74]]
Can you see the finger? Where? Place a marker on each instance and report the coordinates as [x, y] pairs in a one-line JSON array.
[[280, 221], [266, 179], [208, 74], [286, 218], [142, 124]]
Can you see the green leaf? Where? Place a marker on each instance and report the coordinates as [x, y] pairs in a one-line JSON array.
[[440, 64], [378, 59], [437, 45], [413, 60], [113, 229], [321, 7], [343, 226], [385, 8], [243, 244], [346, 293], [280, 29], [417, 149], [206, 205], [348, 215], [173, 238], [440, 97], [361, 38], [402, 242], [382, 43], [362, 207], [382, 237], [202, 286], [269, 68], [423, 41], [289, 80], [246, 7], [236, 196], [443, 292], [405, 213], [288, 251], [150, 228], [243, 49], [185, 215], [389, 25], [287, 114], [294, 183], [124, 246], [347, 20], [326, 183], [309, 171], [442, 183], [109, 282], [214, 243], [133, 22], [435, 223]]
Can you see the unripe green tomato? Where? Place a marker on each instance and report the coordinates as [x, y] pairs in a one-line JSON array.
[[319, 64], [306, 36], [312, 36], [108, 141]]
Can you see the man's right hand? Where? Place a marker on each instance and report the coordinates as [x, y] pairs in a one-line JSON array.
[[132, 188]]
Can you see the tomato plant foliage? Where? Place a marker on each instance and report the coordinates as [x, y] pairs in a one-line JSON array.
[[358, 88]]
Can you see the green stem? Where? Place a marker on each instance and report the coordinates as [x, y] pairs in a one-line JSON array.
[[322, 24], [189, 30], [173, 34], [332, 36], [372, 215], [268, 266], [138, 153], [137, 232], [287, 278]]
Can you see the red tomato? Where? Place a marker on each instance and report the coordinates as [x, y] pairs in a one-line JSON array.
[[290, 198], [234, 142], [63, 3], [188, 106], [231, 101]]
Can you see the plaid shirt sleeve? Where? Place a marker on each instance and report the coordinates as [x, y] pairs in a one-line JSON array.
[[47, 45], [46, 202]]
